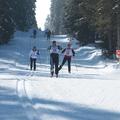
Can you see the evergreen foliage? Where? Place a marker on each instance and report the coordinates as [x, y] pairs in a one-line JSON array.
[[56, 16], [88, 20], [16, 15]]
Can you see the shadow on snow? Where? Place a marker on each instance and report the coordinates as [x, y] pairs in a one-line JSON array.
[[72, 111]]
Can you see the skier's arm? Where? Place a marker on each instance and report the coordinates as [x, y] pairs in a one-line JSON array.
[[30, 54], [73, 52], [59, 47], [38, 52]]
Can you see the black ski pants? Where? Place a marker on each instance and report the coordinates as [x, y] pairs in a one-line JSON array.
[[54, 62], [48, 37], [69, 63], [33, 63]]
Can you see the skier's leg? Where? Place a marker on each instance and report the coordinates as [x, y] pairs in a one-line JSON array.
[[51, 66], [56, 65], [49, 37], [69, 65], [34, 64], [31, 63], [63, 62]]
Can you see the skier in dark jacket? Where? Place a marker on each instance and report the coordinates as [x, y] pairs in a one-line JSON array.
[[68, 53], [34, 33], [54, 57], [48, 34]]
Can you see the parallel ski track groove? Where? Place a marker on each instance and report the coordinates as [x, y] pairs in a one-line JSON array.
[[23, 80]]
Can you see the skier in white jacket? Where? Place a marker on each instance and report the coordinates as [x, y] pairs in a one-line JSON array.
[[54, 57], [68, 53], [33, 57]]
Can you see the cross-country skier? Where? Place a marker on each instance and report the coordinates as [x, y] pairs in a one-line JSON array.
[[54, 57], [48, 34], [68, 53], [34, 33], [33, 57]]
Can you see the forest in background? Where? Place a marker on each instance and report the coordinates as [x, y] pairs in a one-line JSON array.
[[87, 20], [16, 15]]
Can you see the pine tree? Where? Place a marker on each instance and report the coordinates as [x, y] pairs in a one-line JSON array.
[[91, 20], [6, 21], [16, 14], [56, 16]]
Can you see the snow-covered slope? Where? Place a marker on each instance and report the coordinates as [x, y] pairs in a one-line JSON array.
[[90, 92]]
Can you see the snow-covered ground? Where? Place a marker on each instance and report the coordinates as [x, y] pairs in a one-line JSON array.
[[90, 92]]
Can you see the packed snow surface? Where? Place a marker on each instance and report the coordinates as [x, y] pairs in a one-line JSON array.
[[90, 92]]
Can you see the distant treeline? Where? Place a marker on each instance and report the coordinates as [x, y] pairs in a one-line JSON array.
[[15, 15], [87, 20]]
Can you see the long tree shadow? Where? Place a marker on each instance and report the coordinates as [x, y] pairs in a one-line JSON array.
[[69, 111], [10, 107]]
